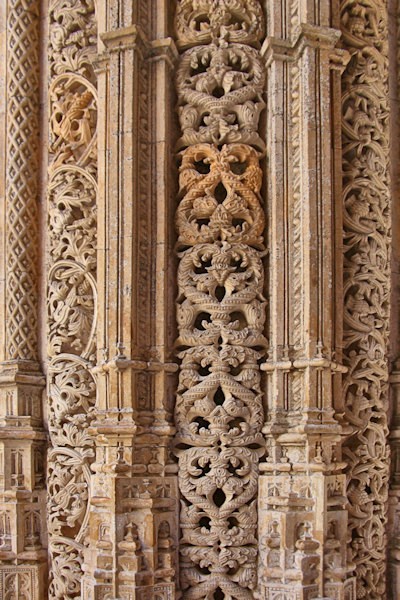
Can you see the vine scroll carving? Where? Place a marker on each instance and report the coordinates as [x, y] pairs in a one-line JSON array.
[[71, 296], [221, 307]]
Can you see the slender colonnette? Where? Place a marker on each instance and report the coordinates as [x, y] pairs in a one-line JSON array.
[[71, 294], [365, 136], [23, 556], [221, 308]]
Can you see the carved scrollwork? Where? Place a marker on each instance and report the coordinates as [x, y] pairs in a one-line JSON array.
[[202, 21], [220, 190], [72, 395], [366, 287], [72, 310], [221, 306], [72, 294], [73, 37], [220, 95]]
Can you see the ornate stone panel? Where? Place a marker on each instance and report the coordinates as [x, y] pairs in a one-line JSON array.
[[366, 287], [220, 223], [71, 291]]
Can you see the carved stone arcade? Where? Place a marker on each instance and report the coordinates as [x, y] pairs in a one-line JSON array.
[[199, 364]]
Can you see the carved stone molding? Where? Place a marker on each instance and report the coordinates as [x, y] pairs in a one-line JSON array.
[[23, 555], [366, 287], [221, 308], [72, 293]]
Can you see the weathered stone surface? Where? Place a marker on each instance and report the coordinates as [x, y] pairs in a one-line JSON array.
[[196, 280]]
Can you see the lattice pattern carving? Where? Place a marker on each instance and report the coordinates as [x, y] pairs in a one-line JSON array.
[[366, 287], [221, 307], [71, 299], [22, 179]]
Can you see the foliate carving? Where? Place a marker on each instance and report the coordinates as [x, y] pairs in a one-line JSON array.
[[220, 94], [21, 240], [72, 286], [367, 291], [71, 298], [73, 112], [220, 189], [203, 21], [221, 307], [73, 37]]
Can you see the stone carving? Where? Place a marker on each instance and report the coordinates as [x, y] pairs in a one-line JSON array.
[[220, 94], [366, 287], [220, 190], [71, 298], [72, 37], [21, 243], [23, 560], [221, 307], [203, 21]]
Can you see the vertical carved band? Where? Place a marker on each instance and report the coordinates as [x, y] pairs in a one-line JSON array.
[[221, 307], [71, 296], [22, 179], [366, 286]]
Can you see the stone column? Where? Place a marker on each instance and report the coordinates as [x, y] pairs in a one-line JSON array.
[[302, 516], [133, 507], [23, 556], [367, 223], [221, 307]]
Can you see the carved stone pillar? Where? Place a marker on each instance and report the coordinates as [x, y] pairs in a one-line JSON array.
[[302, 516], [221, 308], [367, 221], [23, 555], [133, 507], [71, 286]]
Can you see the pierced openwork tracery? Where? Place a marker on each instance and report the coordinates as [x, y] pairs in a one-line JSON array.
[[221, 307], [71, 296]]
